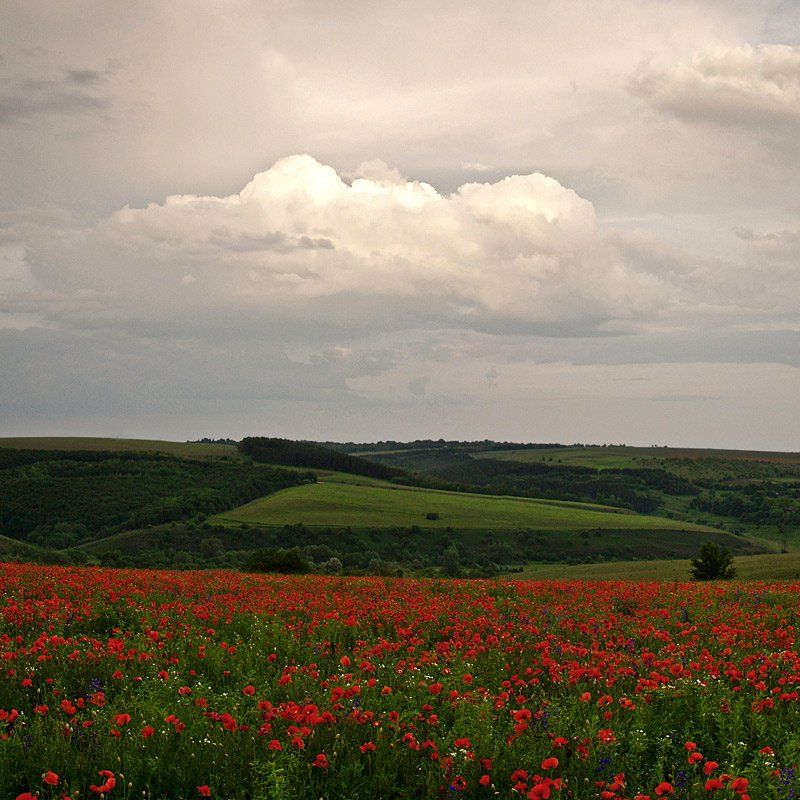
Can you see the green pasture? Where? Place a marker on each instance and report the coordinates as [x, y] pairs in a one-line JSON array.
[[335, 504], [622, 457]]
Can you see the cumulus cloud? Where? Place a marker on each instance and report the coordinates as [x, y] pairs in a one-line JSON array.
[[727, 85], [298, 239]]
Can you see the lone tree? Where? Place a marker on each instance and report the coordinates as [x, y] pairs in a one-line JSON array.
[[713, 563]]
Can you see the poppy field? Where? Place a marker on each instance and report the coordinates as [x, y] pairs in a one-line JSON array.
[[148, 684]]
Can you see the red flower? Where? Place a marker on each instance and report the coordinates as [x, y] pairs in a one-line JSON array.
[[148, 731], [710, 767], [122, 719], [664, 788], [367, 747], [204, 791], [321, 761], [485, 780], [51, 779], [249, 691], [26, 796], [459, 783], [550, 763]]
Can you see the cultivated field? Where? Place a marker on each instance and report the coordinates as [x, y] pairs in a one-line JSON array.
[[185, 449], [623, 457]]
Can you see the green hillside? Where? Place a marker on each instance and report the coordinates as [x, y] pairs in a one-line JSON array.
[[72, 443], [336, 504], [624, 457]]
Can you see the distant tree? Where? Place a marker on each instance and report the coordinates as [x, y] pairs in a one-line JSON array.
[[284, 561], [451, 562], [332, 566], [211, 547], [713, 562]]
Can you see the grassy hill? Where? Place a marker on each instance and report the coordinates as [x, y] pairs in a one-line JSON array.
[[754, 493], [93, 443], [467, 508], [336, 504], [624, 457]]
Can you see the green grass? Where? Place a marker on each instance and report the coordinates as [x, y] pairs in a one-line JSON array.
[[195, 449], [773, 566], [615, 457], [12, 549], [358, 506]]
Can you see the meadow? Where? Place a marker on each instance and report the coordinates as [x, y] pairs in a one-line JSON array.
[[337, 504], [155, 685]]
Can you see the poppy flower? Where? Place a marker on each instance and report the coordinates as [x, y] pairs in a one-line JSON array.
[[51, 779]]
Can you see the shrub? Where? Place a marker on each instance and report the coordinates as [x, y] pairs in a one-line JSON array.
[[713, 563]]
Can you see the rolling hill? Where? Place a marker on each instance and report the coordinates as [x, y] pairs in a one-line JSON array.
[[330, 503]]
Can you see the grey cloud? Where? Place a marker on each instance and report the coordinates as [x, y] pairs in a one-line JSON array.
[[84, 76], [76, 91]]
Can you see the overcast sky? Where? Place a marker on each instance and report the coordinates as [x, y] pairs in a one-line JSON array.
[[539, 221]]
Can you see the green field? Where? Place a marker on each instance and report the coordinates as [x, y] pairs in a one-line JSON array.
[[335, 504], [186, 449], [622, 456], [771, 567]]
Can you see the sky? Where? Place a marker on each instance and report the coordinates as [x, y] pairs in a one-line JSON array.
[[553, 221]]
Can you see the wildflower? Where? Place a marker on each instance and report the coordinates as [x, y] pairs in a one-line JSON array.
[[50, 778], [204, 791]]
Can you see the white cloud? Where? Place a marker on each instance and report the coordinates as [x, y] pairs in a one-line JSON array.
[[523, 250], [743, 85]]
